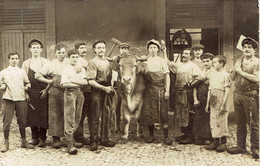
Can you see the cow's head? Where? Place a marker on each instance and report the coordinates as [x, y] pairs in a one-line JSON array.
[[128, 70]]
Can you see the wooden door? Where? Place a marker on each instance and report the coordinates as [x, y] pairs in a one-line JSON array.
[[10, 42]]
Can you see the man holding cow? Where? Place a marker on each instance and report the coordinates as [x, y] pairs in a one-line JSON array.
[[99, 77]]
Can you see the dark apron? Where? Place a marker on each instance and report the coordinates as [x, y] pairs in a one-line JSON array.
[[39, 116], [155, 107], [56, 109]]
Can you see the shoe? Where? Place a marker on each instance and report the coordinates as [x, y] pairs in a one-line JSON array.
[[83, 140], [167, 141], [188, 140], [77, 144], [34, 142], [56, 144], [200, 141], [178, 139], [6, 146], [42, 143], [213, 145], [150, 139], [93, 146], [72, 150], [25, 144], [236, 150], [255, 153], [108, 143], [221, 148]]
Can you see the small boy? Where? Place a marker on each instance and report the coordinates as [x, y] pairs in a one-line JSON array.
[[219, 86], [14, 83], [72, 79]]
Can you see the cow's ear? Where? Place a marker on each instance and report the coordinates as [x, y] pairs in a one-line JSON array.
[[141, 68]]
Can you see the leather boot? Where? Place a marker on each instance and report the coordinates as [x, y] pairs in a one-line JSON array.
[[56, 142], [93, 146], [213, 145], [42, 143], [6, 146], [255, 153], [167, 140], [25, 144], [71, 148], [222, 147]]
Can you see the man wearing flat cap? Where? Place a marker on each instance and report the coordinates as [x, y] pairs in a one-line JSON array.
[[37, 117], [246, 97], [201, 121], [197, 51], [123, 49]]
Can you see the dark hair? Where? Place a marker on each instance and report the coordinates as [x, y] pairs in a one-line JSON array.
[[98, 41], [35, 41], [13, 53], [77, 45], [249, 41], [221, 59], [59, 47], [206, 56], [72, 51]]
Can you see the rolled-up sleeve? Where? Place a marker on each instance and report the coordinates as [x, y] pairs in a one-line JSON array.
[[91, 71], [227, 81], [165, 67]]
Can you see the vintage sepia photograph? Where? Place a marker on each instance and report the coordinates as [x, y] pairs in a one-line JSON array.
[[129, 82]]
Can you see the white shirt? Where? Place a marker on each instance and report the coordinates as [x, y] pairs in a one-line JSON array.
[[14, 78], [69, 74]]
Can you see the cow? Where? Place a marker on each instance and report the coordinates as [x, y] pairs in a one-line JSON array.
[[131, 90]]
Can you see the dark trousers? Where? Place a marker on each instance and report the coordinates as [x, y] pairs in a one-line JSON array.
[[188, 129], [97, 103], [39, 133], [243, 104], [118, 110], [85, 112], [20, 109]]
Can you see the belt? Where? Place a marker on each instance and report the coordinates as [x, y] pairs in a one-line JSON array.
[[248, 93], [74, 89]]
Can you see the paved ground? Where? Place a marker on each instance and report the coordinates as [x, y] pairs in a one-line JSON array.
[[134, 152]]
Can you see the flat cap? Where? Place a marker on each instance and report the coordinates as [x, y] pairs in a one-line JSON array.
[[249, 40], [35, 41], [206, 55], [124, 45], [197, 46], [153, 41]]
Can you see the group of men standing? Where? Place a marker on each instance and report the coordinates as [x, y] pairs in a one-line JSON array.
[[62, 92]]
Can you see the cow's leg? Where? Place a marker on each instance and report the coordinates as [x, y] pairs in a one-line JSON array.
[[126, 121], [138, 120]]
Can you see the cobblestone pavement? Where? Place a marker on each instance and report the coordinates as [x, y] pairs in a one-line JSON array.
[[133, 152]]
